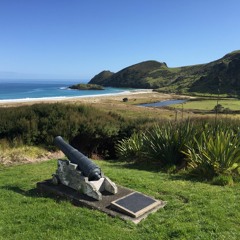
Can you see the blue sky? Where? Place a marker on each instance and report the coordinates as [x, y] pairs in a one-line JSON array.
[[77, 39]]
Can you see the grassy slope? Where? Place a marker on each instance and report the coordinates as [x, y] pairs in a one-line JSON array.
[[195, 210], [202, 78]]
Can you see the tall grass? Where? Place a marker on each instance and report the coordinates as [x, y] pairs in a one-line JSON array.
[[10, 155]]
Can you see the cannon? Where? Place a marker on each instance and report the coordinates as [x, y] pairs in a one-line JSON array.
[[80, 173], [85, 165]]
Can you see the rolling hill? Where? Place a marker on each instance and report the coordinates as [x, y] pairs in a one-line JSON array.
[[222, 75]]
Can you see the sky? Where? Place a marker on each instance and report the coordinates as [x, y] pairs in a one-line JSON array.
[[77, 39]]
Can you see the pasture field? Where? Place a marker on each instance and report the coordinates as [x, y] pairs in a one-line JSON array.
[[202, 104]]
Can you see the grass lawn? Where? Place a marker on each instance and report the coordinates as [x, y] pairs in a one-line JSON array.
[[232, 104], [195, 210]]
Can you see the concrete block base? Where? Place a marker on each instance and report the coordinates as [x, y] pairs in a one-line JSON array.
[[105, 205]]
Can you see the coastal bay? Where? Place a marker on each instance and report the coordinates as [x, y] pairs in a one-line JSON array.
[[138, 96]]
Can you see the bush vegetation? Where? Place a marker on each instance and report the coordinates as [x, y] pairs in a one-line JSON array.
[[206, 148], [90, 130]]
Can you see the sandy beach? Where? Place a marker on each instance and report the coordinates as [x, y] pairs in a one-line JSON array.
[[142, 96]]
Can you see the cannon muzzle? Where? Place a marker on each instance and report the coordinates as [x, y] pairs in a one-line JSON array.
[[85, 165]]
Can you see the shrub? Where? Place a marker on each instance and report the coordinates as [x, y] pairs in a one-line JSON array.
[[131, 149], [207, 148], [90, 130], [165, 143], [161, 143], [215, 153], [39, 124]]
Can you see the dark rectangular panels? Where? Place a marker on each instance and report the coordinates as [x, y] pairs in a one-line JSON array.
[[135, 204]]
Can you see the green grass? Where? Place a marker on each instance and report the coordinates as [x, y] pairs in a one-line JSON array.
[[195, 210], [232, 104]]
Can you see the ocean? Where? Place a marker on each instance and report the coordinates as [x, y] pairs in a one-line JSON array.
[[30, 90]]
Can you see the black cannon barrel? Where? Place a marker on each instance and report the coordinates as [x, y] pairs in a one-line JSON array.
[[88, 168]]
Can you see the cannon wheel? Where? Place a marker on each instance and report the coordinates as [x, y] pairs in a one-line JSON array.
[[55, 179]]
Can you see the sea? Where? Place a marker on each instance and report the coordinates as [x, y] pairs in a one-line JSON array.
[[32, 90]]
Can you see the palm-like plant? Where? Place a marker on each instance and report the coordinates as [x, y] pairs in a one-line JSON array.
[[166, 143], [214, 153], [132, 148]]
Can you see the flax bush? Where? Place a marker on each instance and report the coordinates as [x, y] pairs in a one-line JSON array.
[[165, 143], [208, 149], [161, 143], [215, 153], [131, 149]]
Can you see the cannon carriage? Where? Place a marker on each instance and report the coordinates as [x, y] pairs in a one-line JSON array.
[[80, 173]]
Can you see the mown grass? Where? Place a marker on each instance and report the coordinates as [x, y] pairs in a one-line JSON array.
[[195, 210]]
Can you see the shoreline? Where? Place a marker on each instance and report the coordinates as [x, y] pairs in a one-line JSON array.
[[20, 100], [135, 98], [88, 98]]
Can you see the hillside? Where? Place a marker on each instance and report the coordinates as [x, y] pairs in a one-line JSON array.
[[101, 77], [222, 74]]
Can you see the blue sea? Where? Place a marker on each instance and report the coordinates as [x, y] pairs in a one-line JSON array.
[[30, 90]]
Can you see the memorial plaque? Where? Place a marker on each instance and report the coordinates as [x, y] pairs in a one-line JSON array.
[[135, 204], [107, 203]]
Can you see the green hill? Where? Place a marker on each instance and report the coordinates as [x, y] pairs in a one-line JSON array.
[[222, 74], [81, 86], [101, 77]]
